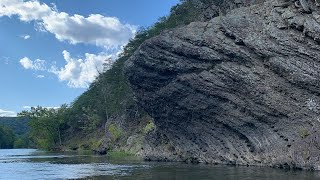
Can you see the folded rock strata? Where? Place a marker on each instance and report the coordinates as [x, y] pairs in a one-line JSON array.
[[240, 89]]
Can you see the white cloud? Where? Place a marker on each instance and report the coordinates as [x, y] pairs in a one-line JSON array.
[[4, 113], [95, 29], [27, 11], [40, 76], [52, 107], [25, 37], [37, 64], [5, 59], [48, 107], [79, 73]]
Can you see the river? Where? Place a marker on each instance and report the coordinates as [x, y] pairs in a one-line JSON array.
[[34, 164]]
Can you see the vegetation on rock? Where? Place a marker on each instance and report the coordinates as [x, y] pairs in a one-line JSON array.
[[108, 105]]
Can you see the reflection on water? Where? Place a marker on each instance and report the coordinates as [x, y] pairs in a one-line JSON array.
[[34, 164]]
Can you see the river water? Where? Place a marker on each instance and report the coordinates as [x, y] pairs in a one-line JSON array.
[[34, 164]]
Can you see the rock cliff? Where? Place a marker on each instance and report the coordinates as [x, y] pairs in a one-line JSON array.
[[243, 88]]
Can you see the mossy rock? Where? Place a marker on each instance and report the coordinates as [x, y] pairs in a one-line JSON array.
[[303, 133], [149, 127], [115, 131]]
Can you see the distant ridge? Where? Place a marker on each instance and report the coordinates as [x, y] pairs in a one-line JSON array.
[[18, 125]]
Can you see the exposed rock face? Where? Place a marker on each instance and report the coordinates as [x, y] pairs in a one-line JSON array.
[[239, 89], [209, 9]]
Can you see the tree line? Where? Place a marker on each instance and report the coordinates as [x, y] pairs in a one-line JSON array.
[[9, 140]]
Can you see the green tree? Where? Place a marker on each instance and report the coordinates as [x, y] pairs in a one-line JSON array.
[[46, 125], [6, 137], [21, 142]]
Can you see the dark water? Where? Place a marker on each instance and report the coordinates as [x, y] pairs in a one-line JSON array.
[[34, 164]]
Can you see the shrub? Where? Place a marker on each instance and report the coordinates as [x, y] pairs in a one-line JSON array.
[[119, 154], [115, 131], [303, 133], [149, 127]]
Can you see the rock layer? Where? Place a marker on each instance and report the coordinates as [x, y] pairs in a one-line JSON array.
[[240, 89]]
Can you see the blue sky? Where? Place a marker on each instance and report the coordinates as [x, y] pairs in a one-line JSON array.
[[50, 51]]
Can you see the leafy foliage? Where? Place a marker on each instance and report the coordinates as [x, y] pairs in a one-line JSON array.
[[149, 127], [21, 142], [115, 131], [303, 133], [119, 154], [14, 132], [7, 137], [46, 125], [18, 125]]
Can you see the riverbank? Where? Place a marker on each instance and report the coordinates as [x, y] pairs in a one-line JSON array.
[[35, 164]]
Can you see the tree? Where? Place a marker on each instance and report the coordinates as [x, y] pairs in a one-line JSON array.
[[45, 125], [7, 138]]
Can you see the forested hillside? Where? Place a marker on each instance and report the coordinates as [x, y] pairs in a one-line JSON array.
[[7, 138], [14, 133], [18, 125]]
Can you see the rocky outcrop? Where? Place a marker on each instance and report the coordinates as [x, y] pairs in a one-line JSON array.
[[208, 9], [240, 89]]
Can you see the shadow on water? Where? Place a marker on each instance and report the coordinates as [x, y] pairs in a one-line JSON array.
[[34, 164]]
